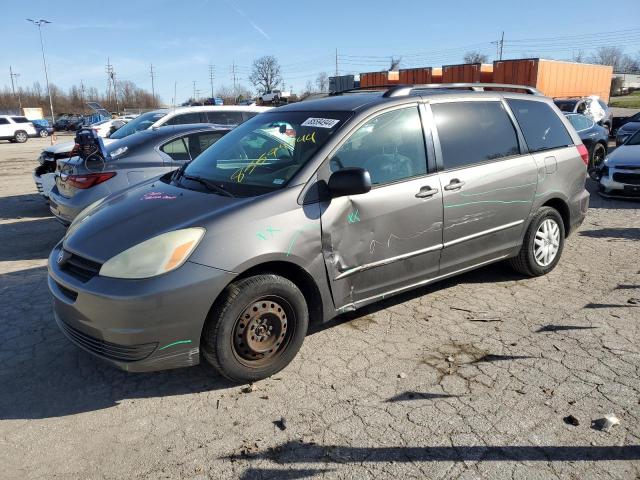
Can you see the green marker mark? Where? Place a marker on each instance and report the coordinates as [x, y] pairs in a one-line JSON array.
[[354, 217], [179, 342], [465, 194], [297, 234]]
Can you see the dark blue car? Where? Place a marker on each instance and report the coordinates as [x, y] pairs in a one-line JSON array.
[[43, 128]]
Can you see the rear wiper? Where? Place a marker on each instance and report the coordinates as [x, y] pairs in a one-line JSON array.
[[209, 185]]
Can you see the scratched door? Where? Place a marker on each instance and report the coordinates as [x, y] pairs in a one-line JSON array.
[[390, 237]]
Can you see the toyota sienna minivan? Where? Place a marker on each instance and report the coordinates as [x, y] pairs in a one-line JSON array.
[[314, 209]]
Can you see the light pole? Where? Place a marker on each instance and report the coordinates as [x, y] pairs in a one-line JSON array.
[[39, 23]]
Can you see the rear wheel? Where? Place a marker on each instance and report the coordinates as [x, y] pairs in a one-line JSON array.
[[542, 245], [20, 136], [43, 133], [256, 328]]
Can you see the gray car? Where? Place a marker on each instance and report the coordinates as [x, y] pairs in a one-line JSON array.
[[311, 210], [135, 158]]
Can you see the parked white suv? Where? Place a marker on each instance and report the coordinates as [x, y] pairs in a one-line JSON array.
[[16, 129], [274, 96], [218, 114]]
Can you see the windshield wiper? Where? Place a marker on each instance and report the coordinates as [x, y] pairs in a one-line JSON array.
[[209, 185]]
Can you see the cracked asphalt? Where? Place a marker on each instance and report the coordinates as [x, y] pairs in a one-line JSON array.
[[468, 378]]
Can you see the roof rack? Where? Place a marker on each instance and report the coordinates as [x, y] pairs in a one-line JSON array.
[[403, 90]]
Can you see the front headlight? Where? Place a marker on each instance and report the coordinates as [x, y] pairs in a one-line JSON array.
[[155, 256]]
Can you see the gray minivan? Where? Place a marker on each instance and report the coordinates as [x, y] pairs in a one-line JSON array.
[[311, 210]]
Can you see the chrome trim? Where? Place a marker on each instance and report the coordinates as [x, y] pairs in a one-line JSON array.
[[386, 261], [484, 232], [354, 305]]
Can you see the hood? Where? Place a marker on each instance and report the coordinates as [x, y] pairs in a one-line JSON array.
[[65, 147], [629, 127], [140, 213], [624, 155]]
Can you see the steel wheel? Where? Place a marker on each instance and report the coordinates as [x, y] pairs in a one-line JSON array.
[[261, 331], [547, 242]]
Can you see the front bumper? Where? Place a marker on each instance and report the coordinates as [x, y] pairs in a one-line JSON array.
[[621, 183], [137, 325], [44, 182]]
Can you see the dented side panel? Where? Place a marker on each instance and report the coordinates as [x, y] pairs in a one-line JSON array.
[[381, 240]]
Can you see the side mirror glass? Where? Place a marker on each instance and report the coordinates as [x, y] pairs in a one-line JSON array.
[[349, 181]]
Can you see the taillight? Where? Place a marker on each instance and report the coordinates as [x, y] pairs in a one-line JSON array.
[[584, 153], [89, 180]]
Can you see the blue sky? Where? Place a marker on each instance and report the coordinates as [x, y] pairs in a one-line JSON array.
[[182, 38]]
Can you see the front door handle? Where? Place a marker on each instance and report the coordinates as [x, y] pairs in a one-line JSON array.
[[426, 192], [454, 184]]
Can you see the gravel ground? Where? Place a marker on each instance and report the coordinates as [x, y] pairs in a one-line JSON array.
[[469, 378]]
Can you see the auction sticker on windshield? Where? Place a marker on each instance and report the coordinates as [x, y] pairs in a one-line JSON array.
[[320, 122]]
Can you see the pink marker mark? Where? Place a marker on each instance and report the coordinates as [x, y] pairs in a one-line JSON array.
[[157, 196]]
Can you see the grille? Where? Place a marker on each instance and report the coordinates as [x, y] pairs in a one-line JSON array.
[[628, 178], [81, 268], [70, 294], [113, 351]]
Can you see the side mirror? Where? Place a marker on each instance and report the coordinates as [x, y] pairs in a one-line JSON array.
[[349, 181]]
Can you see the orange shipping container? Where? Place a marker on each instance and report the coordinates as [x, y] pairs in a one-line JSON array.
[[377, 79], [555, 78], [436, 74], [416, 75], [467, 73]]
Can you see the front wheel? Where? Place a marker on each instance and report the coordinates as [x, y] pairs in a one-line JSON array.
[[542, 245], [256, 328], [20, 136]]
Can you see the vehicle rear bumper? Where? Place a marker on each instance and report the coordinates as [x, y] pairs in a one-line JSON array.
[[578, 208], [137, 325]]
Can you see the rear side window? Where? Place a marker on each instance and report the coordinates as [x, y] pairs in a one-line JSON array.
[[177, 149], [224, 118], [184, 119], [4, 121], [542, 128], [474, 132], [20, 119], [580, 122]]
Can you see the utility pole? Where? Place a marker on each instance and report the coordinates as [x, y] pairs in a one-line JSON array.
[[15, 75], [81, 91], [39, 23], [233, 73], [336, 62], [111, 79], [153, 87], [194, 90], [175, 88], [501, 44], [211, 76]]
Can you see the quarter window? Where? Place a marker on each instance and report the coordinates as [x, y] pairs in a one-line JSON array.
[[474, 132], [177, 150], [4, 121], [542, 128], [390, 146]]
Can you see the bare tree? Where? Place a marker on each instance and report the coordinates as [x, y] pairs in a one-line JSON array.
[[265, 75], [475, 57], [578, 57], [322, 82], [608, 56], [395, 63]]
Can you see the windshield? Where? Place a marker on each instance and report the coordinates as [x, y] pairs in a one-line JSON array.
[[264, 153], [566, 105], [634, 139], [138, 124]]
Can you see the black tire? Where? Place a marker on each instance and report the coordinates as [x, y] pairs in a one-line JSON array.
[[525, 262], [43, 134], [228, 333], [20, 136], [598, 155]]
